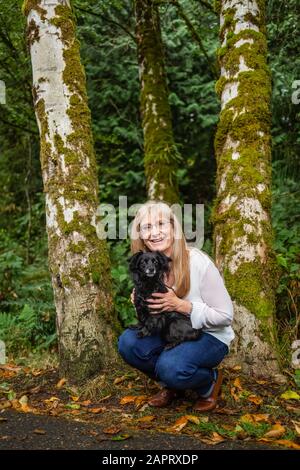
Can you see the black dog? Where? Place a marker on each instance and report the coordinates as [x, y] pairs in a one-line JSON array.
[[147, 270]]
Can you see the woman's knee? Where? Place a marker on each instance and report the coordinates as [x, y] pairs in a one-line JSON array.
[[175, 375], [126, 342]]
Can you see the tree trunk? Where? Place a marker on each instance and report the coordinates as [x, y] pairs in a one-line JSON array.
[[78, 259], [161, 154], [241, 214]]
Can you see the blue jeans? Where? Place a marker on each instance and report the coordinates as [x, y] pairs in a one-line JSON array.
[[188, 365]]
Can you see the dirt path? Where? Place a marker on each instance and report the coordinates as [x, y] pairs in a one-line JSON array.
[[29, 431]]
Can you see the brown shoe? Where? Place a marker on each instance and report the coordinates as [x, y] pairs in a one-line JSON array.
[[209, 403], [164, 397]]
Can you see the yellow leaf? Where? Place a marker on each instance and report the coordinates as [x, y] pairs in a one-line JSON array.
[[237, 383], [179, 424], [61, 383], [23, 400], [254, 418], [128, 399], [85, 402], [297, 426], [146, 419], [140, 399], [120, 379], [112, 430], [276, 431], [214, 439], [39, 431], [287, 443], [51, 400], [75, 398], [282, 442], [255, 399], [290, 395], [96, 410], [193, 419]]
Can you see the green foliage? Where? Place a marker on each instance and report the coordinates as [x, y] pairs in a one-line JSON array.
[[27, 316], [106, 32], [122, 282], [286, 223]]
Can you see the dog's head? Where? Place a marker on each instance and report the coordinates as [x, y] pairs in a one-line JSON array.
[[149, 264]]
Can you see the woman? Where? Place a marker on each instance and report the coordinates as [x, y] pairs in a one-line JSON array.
[[196, 289]]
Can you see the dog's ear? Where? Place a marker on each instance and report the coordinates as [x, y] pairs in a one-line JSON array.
[[164, 260], [133, 260]]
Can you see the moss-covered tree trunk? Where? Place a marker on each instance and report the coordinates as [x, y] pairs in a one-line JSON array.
[[161, 155], [241, 214], [78, 259]]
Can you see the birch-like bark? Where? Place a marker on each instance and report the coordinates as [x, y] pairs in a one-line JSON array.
[[161, 154], [241, 215], [78, 259]]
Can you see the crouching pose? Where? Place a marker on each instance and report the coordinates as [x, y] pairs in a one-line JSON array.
[[196, 290]]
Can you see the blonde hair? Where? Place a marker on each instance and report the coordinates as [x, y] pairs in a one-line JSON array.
[[180, 250]]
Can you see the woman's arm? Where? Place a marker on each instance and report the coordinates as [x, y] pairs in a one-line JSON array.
[[216, 308]]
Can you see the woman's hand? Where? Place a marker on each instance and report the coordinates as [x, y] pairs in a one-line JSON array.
[[168, 302]]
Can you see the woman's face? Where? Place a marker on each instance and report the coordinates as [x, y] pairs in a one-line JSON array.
[[157, 233]]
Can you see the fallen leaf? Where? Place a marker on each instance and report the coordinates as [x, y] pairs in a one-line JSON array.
[[36, 373], [85, 402], [61, 383], [297, 426], [50, 400], [290, 395], [39, 431], [96, 410], [194, 419], [237, 383], [146, 419], [282, 442], [5, 404], [23, 400], [75, 398], [216, 438], [287, 443], [179, 424], [277, 430], [120, 379], [254, 418], [112, 430], [128, 399], [255, 399]]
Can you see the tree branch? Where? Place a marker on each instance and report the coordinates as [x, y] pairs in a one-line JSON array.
[[105, 18], [194, 33]]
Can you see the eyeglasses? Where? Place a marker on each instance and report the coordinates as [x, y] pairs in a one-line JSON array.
[[162, 225]]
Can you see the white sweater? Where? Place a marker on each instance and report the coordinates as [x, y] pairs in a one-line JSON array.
[[212, 306]]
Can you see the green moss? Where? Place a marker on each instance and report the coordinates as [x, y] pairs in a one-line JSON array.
[[32, 33], [79, 183], [161, 154], [29, 5], [245, 120]]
